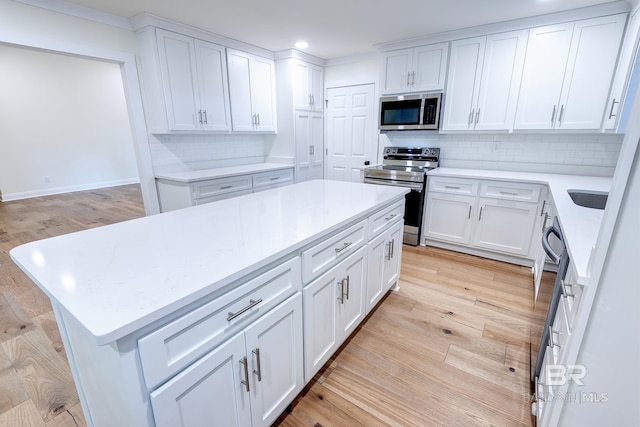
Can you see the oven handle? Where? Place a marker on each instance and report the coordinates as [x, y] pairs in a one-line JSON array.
[[416, 187]]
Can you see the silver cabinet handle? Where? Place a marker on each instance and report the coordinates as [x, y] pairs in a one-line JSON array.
[[388, 250], [469, 212], [471, 115], [245, 383], [480, 216], [200, 116], [561, 115], [310, 100], [204, 113], [344, 246], [226, 187], [275, 178], [252, 303], [390, 217], [551, 343], [253, 120], [613, 104], [413, 78], [408, 78], [341, 297], [544, 221], [451, 187], [258, 119], [393, 247], [258, 372], [508, 193], [553, 115], [563, 286], [311, 150], [543, 205], [347, 279], [477, 115]]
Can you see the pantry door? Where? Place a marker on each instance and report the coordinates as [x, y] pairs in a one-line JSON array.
[[351, 131]]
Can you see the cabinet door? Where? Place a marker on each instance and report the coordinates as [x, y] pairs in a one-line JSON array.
[[351, 293], [465, 69], [448, 217], [320, 302], [430, 67], [307, 86], [542, 77], [592, 60], [309, 129], [214, 93], [393, 257], [240, 91], [211, 387], [396, 66], [179, 79], [502, 64], [505, 225], [378, 250], [263, 96], [274, 348]]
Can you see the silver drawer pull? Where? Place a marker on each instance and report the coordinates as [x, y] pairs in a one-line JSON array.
[[252, 303], [275, 178], [451, 187], [551, 343], [564, 286], [390, 217], [258, 372], [245, 383], [226, 187], [345, 246], [507, 193]]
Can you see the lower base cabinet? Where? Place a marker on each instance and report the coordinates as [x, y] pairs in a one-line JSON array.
[[249, 380], [384, 264], [333, 308]]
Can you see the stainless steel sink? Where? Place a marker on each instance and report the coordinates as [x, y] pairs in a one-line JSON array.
[[589, 199]]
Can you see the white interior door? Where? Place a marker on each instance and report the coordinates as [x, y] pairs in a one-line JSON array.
[[351, 126]]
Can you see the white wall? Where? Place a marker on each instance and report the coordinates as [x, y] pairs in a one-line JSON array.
[[64, 119]]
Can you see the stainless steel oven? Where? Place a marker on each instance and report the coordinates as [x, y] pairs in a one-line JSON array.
[[406, 167]]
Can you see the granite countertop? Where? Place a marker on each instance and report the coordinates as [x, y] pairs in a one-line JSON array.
[[121, 277], [580, 225], [204, 174]]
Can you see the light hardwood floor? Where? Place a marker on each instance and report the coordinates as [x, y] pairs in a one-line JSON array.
[[451, 347]]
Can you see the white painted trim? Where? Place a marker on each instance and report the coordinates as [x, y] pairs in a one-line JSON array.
[[80, 11], [513, 25], [59, 190], [296, 54], [132, 93]]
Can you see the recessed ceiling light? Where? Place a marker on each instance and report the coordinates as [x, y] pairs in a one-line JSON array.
[[302, 45]]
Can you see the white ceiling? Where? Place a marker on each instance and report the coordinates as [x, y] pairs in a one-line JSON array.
[[334, 28]]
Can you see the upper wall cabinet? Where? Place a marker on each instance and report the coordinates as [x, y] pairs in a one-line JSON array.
[[483, 82], [414, 70], [252, 88], [308, 83], [567, 74], [185, 83]]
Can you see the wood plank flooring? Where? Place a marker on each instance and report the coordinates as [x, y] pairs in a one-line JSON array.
[[451, 347]]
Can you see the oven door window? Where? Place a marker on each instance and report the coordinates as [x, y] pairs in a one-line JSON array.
[[413, 208], [400, 113]]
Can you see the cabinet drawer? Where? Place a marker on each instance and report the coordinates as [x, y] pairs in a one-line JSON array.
[[323, 256], [222, 196], [510, 191], [270, 178], [214, 187], [174, 346], [380, 220], [453, 185]]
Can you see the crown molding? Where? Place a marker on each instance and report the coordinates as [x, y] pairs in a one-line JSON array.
[[79, 11]]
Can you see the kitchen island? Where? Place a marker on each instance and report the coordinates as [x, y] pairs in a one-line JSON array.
[[162, 316]]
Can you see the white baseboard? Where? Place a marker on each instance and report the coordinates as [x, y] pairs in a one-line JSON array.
[[59, 190]]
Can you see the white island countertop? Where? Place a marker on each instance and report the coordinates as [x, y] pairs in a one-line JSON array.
[[580, 225], [121, 277], [204, 174]]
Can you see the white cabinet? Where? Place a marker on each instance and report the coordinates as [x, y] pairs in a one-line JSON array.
[[309, 131], [384, 264], [483, 82], [174, 193], [448, 217], [308, 84], [252, 92], [504, 225], [194, 83], [249, 380], [567, 74], [494, 216], [413, 70], [333, 307]]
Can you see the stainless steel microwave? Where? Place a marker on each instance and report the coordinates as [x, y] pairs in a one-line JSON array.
[[410, 112]]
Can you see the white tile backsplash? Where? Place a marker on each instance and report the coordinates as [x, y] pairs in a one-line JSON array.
[[578, 154], [175, 153]]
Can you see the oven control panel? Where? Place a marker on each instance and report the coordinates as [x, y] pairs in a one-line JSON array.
[[417, 153]]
